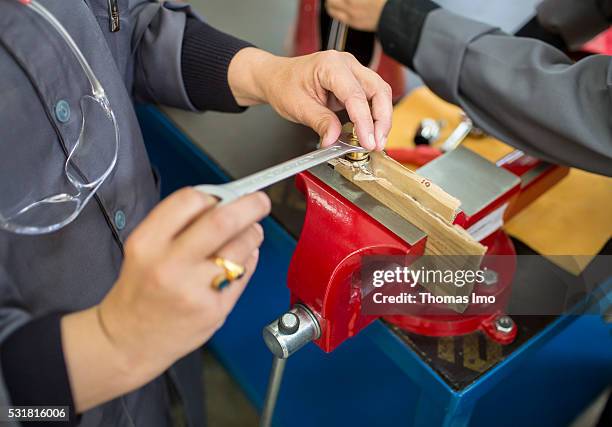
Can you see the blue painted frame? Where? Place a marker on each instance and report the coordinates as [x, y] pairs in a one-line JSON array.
[[375, 379]]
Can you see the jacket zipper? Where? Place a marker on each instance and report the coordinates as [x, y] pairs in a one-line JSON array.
[[113, 16]]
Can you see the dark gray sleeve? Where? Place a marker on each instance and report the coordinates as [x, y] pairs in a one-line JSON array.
[[11, 318], [522, 91], [179, 60], [156, 48], [32, 367], [577, 21], [206, 57]]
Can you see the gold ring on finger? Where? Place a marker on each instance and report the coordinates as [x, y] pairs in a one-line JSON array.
[[231, 271]]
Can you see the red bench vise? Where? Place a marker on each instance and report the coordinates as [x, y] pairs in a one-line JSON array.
[[343, 223]]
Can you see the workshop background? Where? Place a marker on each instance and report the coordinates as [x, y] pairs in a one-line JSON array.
[[242, 144]]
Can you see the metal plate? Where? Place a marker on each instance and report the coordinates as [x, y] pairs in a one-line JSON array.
[[470, 178], [392, 221]]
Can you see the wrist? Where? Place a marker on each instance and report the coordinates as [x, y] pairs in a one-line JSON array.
[[125, 355], [86, 344], [379, 6], [133, 354], [400, 26], [250, 74]]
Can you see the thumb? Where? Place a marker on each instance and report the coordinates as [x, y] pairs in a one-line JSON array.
[[324, 122]]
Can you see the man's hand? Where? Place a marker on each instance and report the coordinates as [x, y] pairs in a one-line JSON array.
[[359, 14], [308, 89], [162, 306]]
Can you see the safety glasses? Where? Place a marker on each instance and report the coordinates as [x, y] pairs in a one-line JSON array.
[[48, 205]]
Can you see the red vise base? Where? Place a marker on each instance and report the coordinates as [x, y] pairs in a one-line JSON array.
[[337, 233]]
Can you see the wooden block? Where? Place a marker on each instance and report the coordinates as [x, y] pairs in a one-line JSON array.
[[422, 190], [429, 208]]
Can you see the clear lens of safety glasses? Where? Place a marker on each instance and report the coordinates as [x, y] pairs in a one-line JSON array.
[[51, 204]]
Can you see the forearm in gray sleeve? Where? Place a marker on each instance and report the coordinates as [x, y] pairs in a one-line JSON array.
[[157, 45], [180, 60], [522, 91], [577, 21], [32, 366]]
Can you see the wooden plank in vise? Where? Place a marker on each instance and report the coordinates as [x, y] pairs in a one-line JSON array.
[[426, 206]]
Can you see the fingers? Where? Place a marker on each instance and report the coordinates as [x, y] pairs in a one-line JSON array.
[[340, 80], [173, 214], [239, 250], [324, 121], [359, 112], [225, 299], [338, 5], [336, 11], [218, 226], [359, 14], [380, 94], [242, 246], [231, 293]]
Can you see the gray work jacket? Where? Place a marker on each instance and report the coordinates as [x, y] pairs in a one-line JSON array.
[[75, 267], [524, 91]]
